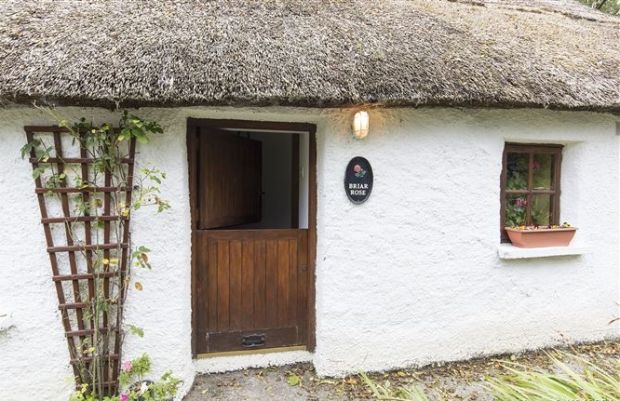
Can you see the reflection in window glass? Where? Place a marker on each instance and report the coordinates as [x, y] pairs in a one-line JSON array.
[[516, 206], [541, 210], [517, 173], [542, 171]]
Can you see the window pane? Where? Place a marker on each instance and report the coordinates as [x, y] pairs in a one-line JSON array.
[[516, 176], [541, 210], [542, 174], [516, 206]]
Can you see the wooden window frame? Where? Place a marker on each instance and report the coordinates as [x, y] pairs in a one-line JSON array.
[[555, 192]]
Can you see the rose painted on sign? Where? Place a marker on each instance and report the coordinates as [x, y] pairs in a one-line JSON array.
[[359, 171], [358, 180]]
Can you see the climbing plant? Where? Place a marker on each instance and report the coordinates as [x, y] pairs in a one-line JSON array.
[[87, 188]]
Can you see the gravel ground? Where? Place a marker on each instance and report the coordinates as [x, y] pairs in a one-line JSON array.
[[451, 381]]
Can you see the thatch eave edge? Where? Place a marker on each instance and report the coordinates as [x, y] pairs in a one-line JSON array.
[[114, 104]]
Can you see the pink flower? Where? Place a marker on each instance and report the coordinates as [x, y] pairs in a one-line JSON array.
[[124, 397], [126, 366], [520, 202], [536, 164], [357, 168]]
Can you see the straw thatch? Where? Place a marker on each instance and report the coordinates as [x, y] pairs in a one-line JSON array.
[[495, 53]]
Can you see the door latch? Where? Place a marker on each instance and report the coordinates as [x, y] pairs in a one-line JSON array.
[[253, 341]]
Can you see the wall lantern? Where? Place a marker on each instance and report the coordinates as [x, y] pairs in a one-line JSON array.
[[360, 125]]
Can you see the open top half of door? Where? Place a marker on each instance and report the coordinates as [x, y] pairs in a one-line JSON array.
[[230, 175]]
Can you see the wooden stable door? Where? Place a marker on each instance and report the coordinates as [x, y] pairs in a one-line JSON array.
[[251, 288]]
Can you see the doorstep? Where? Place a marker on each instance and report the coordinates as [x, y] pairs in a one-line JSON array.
[[229, 361], [252, 352]]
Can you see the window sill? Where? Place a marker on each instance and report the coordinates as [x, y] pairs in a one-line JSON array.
[[508, 251]]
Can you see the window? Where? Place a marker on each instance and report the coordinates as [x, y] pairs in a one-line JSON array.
[[530, 186]]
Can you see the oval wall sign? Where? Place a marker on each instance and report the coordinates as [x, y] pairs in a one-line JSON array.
[[358, 180]]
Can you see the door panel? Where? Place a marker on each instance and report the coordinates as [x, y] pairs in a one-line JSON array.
[[261, 288], [252, 339], [229, 180], [222, 270], [247, 285]]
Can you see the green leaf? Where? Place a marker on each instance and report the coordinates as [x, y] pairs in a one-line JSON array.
[[36, 173], [124, 134], [25, 150], [142, 139], [293, 379], [136, 331]]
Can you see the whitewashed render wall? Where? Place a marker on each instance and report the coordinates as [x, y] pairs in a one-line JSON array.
[[410, 277]]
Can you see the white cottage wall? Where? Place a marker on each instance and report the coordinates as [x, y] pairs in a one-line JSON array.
[[410, 277]]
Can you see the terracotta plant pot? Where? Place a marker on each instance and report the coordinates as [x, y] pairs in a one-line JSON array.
[[540, 237]]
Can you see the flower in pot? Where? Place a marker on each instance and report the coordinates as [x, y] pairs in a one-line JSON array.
[[541, 236]]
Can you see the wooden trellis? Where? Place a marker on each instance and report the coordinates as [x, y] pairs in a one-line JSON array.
[[76, 274]]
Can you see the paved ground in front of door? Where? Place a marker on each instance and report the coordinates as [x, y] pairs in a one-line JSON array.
[[452, 381]]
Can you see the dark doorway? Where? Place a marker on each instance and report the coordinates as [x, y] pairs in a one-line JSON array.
[[253, 202]]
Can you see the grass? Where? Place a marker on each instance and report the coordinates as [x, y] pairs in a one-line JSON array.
[[571, 378], [386, 392], [606, 6], [576, 379]]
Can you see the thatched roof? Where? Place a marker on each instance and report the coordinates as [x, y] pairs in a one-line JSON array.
[[495, 53]]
